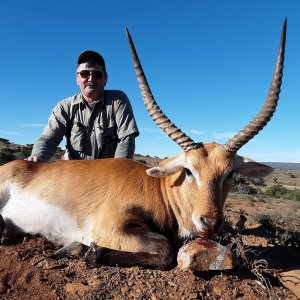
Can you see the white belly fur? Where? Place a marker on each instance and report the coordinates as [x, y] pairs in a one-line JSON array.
[[35, 216]]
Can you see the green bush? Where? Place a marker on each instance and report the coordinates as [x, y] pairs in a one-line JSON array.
[[263, 219], [246, 185], [26, 152], [277, 191], [280, 192], [244, 189], [6, 156], [295, 195]]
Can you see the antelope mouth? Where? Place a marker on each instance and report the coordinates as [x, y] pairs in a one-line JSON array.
[[205, 235], [208, 227]]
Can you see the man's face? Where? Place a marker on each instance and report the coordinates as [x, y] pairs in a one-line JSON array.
[[90, 80]]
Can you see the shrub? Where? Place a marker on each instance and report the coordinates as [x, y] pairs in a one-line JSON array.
[[295, 195], [5, 141], [245, 185], [280, 192], [277, 191], [142, 161], [257, 181], [244, 189], [238, 179], [6, 156], [263, 219], [25, 152]]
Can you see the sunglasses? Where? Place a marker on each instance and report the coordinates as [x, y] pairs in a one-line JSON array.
[[86, 74]]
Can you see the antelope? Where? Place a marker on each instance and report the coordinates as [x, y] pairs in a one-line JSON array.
[[135, 211]]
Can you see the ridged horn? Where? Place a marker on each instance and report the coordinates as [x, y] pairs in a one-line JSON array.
[[269, 107], [179, 137]]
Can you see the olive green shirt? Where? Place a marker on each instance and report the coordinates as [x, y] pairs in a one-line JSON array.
[[105, 129]]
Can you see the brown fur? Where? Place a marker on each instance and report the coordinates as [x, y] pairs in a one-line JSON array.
[[129, 210]]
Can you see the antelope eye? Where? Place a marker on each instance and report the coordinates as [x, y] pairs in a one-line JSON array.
[[188, 172]]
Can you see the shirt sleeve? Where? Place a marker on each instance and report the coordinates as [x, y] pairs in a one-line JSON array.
[[46, 145], [126, 147], [126, 124]]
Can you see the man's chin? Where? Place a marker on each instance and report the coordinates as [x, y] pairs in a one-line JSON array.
[[92, 93], [90, 90]]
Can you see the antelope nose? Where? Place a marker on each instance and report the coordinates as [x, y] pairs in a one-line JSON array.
[[211, 225]]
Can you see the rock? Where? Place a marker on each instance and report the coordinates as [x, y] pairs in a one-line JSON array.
[[204, 255], [291, 280]]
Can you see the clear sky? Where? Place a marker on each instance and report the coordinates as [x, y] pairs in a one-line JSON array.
[[209, 65]]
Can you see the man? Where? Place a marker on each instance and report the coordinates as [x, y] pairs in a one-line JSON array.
[[97, 123]]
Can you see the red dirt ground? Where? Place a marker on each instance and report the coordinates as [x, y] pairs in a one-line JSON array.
[[27, 272]]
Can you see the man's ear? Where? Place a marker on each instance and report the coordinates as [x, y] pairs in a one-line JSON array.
[[106, 78]]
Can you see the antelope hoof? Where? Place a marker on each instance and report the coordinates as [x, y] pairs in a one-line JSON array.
[[2, 229], [72, 250]]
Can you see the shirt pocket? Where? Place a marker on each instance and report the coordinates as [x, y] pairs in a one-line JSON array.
[[108, 128], [78, 136], [110, 136]]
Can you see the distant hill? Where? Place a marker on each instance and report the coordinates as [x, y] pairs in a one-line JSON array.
[[10, 151], [283, 166]]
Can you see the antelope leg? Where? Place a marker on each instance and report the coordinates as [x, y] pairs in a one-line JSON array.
[[141, 247]]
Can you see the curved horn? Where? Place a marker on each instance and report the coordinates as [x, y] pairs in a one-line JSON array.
[[185, 142], [269, 107]]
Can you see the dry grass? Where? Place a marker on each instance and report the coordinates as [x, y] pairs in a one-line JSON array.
[[288, 178]]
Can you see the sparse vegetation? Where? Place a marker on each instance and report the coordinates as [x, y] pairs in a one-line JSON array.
[[246, 185], [4, 141], [258, 187], [10, 151], [277, 191], [295, 195], [6, 155], [26, 151], [280, 192], [263, 219]]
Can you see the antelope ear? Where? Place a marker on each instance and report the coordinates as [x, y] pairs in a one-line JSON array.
[[167, 167], [250, 168]]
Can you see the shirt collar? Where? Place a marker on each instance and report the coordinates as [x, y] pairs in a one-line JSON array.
[[80, 99]]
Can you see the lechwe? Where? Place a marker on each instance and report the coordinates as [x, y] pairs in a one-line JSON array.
[[134, 210]]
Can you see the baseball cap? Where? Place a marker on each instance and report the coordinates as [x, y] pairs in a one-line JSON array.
[[89, 54]]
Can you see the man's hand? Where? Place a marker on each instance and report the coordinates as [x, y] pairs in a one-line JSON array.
[[34, 158]]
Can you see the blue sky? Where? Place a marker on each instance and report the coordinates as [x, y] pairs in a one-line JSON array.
[[209, 65]]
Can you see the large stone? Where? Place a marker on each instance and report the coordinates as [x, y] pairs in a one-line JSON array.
[[204, 255], [291, 280]]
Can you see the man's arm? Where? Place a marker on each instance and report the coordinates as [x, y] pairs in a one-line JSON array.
[[127, 129], [46, 146], [126, 147]]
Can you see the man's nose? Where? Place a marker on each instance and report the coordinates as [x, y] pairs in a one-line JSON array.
[[91, 77]]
